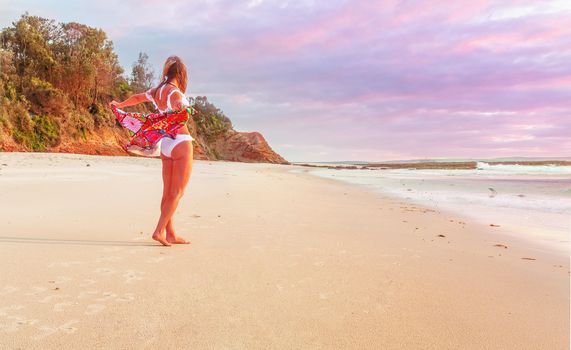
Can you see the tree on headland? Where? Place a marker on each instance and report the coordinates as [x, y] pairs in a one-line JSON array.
[[210, 120], [142, 75], [63, 76], [57, 79]]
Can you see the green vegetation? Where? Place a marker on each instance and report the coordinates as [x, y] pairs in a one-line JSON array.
[[210, 120], [56, 80], [142, 75], [38, 133]]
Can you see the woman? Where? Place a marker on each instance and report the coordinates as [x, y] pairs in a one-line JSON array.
[[176, 154]]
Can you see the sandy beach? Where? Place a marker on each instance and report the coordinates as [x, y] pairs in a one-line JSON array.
[[279, 259]]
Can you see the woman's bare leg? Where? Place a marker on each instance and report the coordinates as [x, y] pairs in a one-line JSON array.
[[171, 234], [181, 170], [170, 228], [167, 179]]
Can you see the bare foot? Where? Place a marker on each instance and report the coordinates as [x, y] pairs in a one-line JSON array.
[[157, 236], [174, 239]]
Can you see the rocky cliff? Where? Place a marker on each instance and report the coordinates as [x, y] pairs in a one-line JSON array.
[[229, 145], [246, 147]]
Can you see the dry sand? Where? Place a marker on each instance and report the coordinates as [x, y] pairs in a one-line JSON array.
[[279, 260]]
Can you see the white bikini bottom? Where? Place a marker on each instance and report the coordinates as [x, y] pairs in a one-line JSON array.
[[168, 144]]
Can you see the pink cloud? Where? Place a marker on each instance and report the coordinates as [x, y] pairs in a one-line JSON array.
[[381, 78]]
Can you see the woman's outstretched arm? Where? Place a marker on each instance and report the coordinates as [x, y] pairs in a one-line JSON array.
[[131, 101]]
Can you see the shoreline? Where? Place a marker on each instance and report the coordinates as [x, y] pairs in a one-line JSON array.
[[442, 164], [536, 238], [503, 233], [278, 260]]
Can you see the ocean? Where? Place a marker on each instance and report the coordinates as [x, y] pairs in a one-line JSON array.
[[530, 201]]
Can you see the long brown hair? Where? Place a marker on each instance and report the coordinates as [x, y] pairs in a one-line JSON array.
[[173, 69]]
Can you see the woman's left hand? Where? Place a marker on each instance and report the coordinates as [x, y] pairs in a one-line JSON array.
[[114, 104]]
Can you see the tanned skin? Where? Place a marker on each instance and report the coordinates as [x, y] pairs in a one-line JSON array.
[[176, 169]]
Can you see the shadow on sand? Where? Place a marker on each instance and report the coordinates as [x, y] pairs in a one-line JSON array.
[[76, 242]]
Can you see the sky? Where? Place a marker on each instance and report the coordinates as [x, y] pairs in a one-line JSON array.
[[363, 80]]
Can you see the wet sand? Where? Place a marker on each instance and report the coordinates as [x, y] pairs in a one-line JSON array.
[[278, 260]]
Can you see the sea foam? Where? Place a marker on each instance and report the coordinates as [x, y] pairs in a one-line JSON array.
[[532, 202]]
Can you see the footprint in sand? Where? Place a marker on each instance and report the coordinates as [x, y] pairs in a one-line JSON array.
[[94, 309], [126, 298], [158, 259], [107, 296], [132, 276], [22, 321], [59, 307], [234, 319], [65, 328], [88, 282], [16, 323], [68, 327], [8, 290], [65, 264], [6, 309], [381, 307], [112, 249], [37, 290], [386, 298], [87, 294], [108, 259], [138, 250], [51, 298], [105, 271], [61, 280], [142, 238]]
